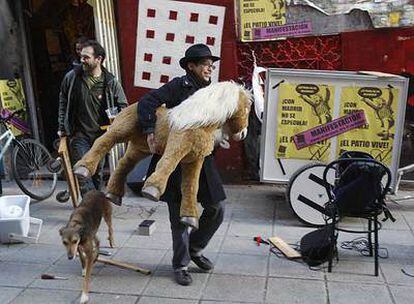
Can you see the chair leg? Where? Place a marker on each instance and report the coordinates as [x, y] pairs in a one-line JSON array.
[[370, 237], [331, 254], [376, 244], [333, 248]]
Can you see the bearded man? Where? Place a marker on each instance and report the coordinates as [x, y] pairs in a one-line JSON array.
[[89, 97]]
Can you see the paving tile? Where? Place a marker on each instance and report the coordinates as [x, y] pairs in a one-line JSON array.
[[106, 298], [221, 302], [162, 284], [399, 224], [145, 258], [262, 213], [223, 229], [250, 228], [72, 273], [119, 281], [166, 261], [356, 293], [18, 274], [214, 245], [394, 275], [37, 253], [124, 226], [392, 237], [403, 294], [8, 293], [235, 288], [154, 241], [243, 245], [241, 264], [398, 254], [50, 212], [120, 238], [253, 201], [290, 234], [393, 253], [280, 290], [30, 296], [75, 263], [7, 249], [158, 300], [355, 271], [49, 234], [282, 267], [135, 212]]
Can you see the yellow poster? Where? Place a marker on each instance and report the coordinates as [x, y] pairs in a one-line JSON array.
[[259, 14], [12, 100], [377, 137], [302, 107]]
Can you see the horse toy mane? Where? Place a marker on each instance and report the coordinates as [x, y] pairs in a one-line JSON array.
[[208, 106]]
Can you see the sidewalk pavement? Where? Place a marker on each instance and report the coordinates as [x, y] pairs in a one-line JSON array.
[[243, 273]]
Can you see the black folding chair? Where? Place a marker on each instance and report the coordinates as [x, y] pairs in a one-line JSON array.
[[359, 190]]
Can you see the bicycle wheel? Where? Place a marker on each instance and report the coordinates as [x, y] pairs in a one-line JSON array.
[[307, 195], [30, 170]]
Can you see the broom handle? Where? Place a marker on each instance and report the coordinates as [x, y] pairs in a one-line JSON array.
[[123, 265]]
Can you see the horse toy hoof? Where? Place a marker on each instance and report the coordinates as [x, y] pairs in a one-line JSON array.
[[190, 221], [151, 193], [82, 172], [115, 199]]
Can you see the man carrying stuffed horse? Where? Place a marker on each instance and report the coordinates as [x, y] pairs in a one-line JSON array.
[[187, 246]]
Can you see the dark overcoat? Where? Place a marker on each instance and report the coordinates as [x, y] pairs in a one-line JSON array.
[[172, 94]]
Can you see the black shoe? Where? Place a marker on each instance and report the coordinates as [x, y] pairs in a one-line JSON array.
[[183, 277], [202, 262]]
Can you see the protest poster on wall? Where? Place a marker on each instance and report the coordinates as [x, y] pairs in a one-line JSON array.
[[12, 100], [259, 14], [377, 136], [318, 17], [302, 107]]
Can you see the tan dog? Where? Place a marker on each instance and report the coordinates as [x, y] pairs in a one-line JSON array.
[[79, 235]]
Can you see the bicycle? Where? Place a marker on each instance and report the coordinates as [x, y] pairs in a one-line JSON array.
[[29, 163]]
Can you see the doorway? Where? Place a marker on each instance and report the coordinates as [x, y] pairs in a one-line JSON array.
[[54, 26]]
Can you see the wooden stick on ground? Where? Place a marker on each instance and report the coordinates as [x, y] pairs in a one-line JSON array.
[[288, 251], [123, 265]]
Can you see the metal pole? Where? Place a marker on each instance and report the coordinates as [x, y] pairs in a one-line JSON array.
[[27, 72]]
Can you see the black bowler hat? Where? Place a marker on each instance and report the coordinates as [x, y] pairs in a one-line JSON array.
[[195, 52]]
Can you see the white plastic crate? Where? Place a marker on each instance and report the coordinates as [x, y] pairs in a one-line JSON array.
[[15, 220]]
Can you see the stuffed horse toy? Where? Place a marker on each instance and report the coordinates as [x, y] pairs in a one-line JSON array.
[[184, 133]]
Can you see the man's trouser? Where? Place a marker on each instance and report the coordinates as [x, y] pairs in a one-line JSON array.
[[79, 146], [184, 243]]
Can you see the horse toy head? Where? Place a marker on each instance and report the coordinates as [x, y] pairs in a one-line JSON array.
[[237, 124]]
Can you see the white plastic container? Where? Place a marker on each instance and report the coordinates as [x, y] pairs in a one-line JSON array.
[[15, 220]]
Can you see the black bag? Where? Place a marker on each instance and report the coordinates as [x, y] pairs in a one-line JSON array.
[[359, 188], [316, 246]]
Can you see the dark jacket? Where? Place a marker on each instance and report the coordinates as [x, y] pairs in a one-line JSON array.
[[172, 94], [114, 97]]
